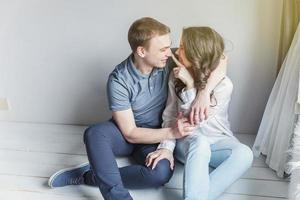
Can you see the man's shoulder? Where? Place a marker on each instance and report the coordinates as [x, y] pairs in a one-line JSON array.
[[120, 70], [117, 80]]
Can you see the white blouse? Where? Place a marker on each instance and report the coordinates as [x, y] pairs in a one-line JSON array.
[[217, 124]]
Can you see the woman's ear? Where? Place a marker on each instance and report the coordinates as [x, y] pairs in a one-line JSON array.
[[141, 51]]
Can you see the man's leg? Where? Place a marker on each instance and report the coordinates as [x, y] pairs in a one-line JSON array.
[[139, 176], [103, 142], [227, 169]]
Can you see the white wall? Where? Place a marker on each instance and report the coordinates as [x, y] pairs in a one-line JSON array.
[[55, 55]]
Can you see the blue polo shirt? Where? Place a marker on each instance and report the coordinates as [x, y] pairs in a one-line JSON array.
[[146, 95]]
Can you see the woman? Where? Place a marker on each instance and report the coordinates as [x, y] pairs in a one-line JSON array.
[[201, 49]]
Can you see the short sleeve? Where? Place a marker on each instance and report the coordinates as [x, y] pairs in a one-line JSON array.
[[117, 94]]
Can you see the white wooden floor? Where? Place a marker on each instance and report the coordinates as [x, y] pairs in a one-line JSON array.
[[30, 153]]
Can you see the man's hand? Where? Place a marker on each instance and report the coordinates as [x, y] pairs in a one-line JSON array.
[[182, 127], [200, 107], [154, 157]]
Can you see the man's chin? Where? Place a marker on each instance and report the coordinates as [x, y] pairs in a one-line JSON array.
[[162, 65]]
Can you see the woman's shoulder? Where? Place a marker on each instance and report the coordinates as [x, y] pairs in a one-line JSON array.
[[227, 81], [224, 85]]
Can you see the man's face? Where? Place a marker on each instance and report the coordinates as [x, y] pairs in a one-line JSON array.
[[158, 51]]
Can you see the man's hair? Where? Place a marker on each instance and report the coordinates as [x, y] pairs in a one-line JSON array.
[[142, 30]]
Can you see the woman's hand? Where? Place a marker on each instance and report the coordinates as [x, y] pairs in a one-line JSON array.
[[154, 157], [182, 127], [183, 74]]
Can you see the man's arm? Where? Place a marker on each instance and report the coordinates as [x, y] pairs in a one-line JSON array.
[[200, 106], [134, 134]]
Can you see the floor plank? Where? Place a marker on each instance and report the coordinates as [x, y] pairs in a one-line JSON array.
[[30, 153], [44, 164], [39, 185]]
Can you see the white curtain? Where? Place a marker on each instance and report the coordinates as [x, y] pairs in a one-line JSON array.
[[293, 166], [277, 125]]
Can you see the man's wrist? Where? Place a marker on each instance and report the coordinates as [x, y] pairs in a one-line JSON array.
[[204, 91], [170, 134], [190, 85]]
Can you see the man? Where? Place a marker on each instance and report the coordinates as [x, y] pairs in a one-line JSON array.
[[137, 93]]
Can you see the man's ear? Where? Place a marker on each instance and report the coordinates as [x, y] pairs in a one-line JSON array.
[[141, 51]]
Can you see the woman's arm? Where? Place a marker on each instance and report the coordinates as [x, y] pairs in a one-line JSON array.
[[169, 115]]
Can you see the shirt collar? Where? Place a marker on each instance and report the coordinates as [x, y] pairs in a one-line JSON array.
[[137, 74]]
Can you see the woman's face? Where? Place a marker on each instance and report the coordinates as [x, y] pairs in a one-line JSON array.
[[180, 52]]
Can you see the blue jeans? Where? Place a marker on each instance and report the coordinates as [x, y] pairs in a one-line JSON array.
[[104, 142], [198, 155]]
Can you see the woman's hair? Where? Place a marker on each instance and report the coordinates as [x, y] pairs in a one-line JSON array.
[[203, 48], [142, 30]]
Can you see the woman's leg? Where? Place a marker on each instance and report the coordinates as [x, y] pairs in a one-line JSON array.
[[195, 152], [228, 171]]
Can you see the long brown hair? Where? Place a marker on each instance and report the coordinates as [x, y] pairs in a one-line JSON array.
[[203, 48]]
